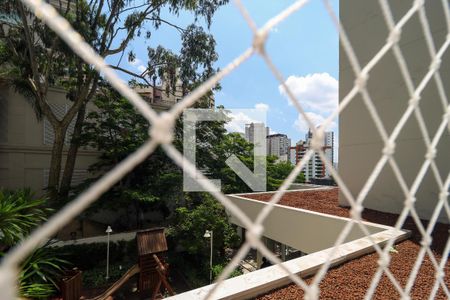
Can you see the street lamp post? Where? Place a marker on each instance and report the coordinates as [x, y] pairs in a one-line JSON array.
[[108, 232], [209, 234]]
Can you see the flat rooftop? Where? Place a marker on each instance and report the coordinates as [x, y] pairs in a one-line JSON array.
[[352, 279]]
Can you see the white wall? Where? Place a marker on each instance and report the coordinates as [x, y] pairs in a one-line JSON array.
[[301, 229], [360, 145]]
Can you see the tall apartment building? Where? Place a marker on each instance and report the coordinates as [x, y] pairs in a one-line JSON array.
[[250, 131], [293, 155], [278, 145], [315, 167]]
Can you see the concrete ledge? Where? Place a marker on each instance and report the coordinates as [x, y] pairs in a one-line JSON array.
[[262, 281], [305, 187], [115, 237], [301, 229]]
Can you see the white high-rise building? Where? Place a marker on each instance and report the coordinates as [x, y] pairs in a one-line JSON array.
[[315, 167], [278, 145], [328, 149]]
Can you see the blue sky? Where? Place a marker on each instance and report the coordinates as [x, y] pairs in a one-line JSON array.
[[304, 47]]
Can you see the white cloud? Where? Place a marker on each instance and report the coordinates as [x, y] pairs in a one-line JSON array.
[[241, 117], [136, 62], [317, 92], [262, 107], [317, 119], [141, 68], [238, 121]]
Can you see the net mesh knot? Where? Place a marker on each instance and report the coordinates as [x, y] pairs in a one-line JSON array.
[[259, 41], [435, 64], [383, 261], [409, 202], [431, 153], [356, 212], [361, 80], [254, 234], [447, 114], [394, 36], [317, 141], [419, 3], [414, 101], [312, 293], [162, 129], [426, 241], [389, 148]]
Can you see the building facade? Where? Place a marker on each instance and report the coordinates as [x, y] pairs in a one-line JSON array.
[[293, 155], [250, 131], [315, 167], [278, 145], [26, 142], [360, 144]]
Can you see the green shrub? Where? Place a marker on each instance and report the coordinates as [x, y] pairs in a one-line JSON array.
[[20, 212], [96, 277], [40, 272], [218, 269]]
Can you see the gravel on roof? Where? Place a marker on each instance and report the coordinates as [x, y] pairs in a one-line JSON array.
[[352, 279]]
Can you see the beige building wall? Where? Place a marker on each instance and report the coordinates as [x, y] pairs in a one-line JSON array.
[[24, 154], [161, 101], [360, 145], [25, 142]]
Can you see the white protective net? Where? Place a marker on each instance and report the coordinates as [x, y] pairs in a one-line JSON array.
[[161, 134]]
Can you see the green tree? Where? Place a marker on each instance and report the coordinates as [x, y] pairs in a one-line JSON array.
[[33, 59], [277, 172], [201, 212], [117, 130], [234, 143], [192, 220], [231, 143]]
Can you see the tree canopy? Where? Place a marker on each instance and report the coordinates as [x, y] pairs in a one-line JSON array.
[[117, 130], [34, 59]]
